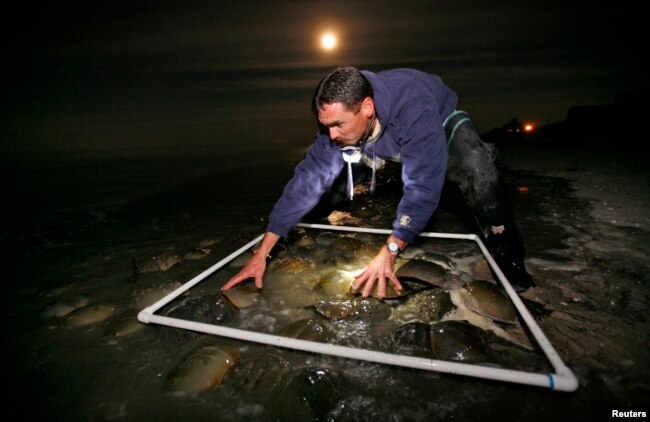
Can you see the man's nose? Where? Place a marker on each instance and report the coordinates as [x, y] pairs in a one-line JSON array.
[[334, 133]]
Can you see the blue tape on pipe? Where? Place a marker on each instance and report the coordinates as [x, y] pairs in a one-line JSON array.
[[551, 383]]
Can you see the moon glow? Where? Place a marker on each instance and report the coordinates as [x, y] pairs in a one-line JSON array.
[[328, 41]]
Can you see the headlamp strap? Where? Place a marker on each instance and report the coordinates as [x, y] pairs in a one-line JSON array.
[[351, 155]]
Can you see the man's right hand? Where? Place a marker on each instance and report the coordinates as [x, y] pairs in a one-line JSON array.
[[256, 266]]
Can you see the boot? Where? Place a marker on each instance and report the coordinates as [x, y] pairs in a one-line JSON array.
[[471, 166], [507, 249]]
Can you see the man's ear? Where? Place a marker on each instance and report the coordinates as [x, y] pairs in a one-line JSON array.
[[368, 107]]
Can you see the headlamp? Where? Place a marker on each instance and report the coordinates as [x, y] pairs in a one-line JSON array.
[[351, 154]]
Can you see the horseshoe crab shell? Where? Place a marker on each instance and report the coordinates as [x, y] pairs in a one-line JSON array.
[[63, 307], [319, 330], [423, 271], [208, 241], [366, 252], [488, 299], [345, 244], [305, 241], [437, 258], [458, 341], [357, 308], [241, 260], [162, 262], [291, 265], [209, 309], [124, 324], [146, 296], [325, 238], [413, 338], [491, 307], [89, 314], [334, 284], [260, 373], [310, 395], [197, 253], [427, 306], [243, 295], [204, 368]]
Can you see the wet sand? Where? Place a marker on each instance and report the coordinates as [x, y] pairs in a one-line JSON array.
[[583, 215]]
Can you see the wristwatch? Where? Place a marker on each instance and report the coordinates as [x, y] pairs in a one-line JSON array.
[[393, 248]]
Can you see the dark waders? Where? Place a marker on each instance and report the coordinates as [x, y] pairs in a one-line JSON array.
[[471, 166]]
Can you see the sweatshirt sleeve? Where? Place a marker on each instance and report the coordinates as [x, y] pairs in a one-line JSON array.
[[311, 179], [424, 163]]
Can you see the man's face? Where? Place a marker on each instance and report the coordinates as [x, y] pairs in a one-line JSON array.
[[345, 127]]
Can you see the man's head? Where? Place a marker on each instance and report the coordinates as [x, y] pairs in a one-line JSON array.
[[343, 104]]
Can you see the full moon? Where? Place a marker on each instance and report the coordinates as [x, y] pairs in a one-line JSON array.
[[328, 41]]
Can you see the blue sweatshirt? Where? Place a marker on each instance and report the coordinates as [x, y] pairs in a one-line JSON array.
[[411, 107]]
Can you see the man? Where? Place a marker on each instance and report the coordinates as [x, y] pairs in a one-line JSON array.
[[407, 116]]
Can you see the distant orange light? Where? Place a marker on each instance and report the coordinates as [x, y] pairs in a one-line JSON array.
[[529, 127]]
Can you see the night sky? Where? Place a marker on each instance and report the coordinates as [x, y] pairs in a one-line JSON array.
[[123, 74]]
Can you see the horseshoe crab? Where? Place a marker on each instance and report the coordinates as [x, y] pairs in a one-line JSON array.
[[147, 296], [319, 330], [413, 338], [345, 244], [325, 238], [481, 269], [426, 306], [204, 368], [366, 252], [437, 258], [356, 308], [209, 241], [124, 324], [481, 303], [421, 270], [291, 265], [162, 262], [259, 372], [334, 284], [310, 395], [243, 295], [488, 299], [210, 309], [305, 241], [241, 260], [197, 253], [89, 314], [458, 341], [63, 307]]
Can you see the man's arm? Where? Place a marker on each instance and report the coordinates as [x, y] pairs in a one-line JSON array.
[[424, 164], [312, 177]]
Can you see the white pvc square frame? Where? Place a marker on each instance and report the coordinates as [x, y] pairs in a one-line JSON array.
[[562, 379]]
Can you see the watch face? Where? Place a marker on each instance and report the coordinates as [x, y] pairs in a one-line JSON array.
[[392, 246]]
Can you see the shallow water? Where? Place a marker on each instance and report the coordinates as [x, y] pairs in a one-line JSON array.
[[79, 224]]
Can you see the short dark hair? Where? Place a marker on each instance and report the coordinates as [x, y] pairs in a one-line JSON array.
[[345, 85]]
